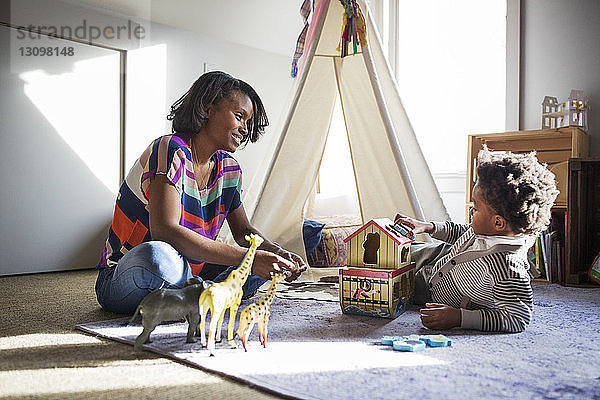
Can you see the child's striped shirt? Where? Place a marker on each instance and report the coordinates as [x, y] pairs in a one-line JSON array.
[[491, 286]]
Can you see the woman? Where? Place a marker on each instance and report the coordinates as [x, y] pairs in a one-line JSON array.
[[179, 193]]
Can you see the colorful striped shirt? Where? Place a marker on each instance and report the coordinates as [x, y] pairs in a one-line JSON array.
[[202, 210]]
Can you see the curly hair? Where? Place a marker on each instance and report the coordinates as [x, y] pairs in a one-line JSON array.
[[189, 112], [517, 187]]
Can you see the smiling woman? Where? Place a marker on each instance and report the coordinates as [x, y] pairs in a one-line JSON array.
[[178, 195]]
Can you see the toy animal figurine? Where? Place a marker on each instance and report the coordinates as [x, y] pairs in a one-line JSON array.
[[223, 295], [170, 305], [258, 313]]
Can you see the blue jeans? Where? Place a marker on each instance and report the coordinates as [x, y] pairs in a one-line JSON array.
[[150, 266]]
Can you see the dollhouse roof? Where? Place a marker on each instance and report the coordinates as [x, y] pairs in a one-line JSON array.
[[550, 100], [384, 225], [577, 95]]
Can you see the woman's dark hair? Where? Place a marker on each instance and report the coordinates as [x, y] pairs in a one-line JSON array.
[[189, 112], [517, 187]]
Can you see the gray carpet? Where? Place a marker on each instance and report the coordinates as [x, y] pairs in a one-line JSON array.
[[315, 352], [42, 357]]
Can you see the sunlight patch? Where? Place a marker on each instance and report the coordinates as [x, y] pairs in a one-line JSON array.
[[31, 382], [279, 357], [303, 357], [45, 339], [82, 105]]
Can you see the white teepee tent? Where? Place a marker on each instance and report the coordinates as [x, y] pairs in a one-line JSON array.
[[390, 170]]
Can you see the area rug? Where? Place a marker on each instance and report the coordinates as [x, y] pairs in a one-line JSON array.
[[316, 352]]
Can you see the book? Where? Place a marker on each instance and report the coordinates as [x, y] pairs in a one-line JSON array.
[[555, 246], [594, 272], [559, 230], [560, 262], [547, 256], [534, 271], [539, 258]]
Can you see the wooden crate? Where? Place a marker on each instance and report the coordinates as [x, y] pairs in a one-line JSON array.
[[583, 219], [376, 292], [553, 146]]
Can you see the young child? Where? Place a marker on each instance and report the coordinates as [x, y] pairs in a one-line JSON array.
[[477, 278]]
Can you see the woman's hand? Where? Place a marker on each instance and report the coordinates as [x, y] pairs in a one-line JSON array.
[[440, 316], [292, 264], [266, 263], [415, 225], [299, 264]]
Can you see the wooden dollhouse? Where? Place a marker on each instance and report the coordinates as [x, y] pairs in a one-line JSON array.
[[379, 277], [377, 245]]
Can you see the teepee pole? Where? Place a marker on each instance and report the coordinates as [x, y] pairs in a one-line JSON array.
[[391, 133], [297, 93]]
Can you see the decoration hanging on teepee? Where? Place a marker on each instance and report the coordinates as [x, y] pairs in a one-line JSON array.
[[353, 29], [305, 10]]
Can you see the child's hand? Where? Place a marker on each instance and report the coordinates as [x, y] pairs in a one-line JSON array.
[[416, 225], [440, 316]]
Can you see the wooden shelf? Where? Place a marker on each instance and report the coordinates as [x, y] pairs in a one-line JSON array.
[[583, 232], [553, 146]]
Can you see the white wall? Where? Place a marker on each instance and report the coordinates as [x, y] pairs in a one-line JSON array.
[[58, 155], [179, 59], [560, 51], [269, 25], [161, 67]]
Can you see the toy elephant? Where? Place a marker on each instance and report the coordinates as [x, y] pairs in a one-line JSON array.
[[170, 305]]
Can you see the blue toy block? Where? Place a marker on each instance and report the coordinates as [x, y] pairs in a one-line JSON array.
[[389, 340], [436, 340], [403, 230], [408, 345]]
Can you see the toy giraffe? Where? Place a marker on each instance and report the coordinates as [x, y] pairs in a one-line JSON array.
[[223, 295], [258, 313]]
